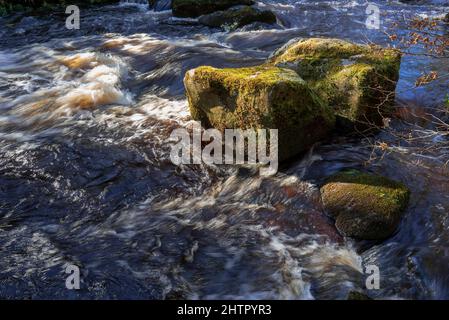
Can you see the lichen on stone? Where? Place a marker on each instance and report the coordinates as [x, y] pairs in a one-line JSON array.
[[196, 8]]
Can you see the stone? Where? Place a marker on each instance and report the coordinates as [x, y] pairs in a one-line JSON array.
[[237, 17], [357, 81]]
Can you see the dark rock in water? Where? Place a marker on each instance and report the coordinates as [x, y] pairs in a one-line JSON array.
[[260, 97], [358, 81], [355, 295], [446, 18], [237, 17], [160, 5], [196, 8], [365, 206]]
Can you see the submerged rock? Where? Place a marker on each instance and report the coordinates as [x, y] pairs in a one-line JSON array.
[[263, 97], [196, 8], [358, 81], [237, 17], [365, 206]]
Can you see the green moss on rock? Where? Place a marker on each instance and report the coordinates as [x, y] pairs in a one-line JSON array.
[[11, 6], [196, 8], [364, 206], [260, 97], [237, 17], [358, 81]]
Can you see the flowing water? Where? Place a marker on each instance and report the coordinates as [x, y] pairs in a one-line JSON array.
[[86, 178]]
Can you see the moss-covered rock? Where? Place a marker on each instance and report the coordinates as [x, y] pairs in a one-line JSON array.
[[259, 97], [365, 206], [355, 295], [358, 81], [237, 17], [196, 8]]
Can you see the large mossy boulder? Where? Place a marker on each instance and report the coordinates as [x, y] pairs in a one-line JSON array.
[[196, 8], [260, 97], [358, 81], [237, 17], [365, 206]]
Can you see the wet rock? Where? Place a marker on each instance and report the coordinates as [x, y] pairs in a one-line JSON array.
[[446, 18], [196, 8], [237, 17], [160, 5], [358, 81], [259, 97], [365, 206]]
